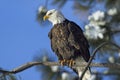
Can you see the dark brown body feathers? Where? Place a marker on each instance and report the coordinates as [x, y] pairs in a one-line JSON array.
[[68, 41]]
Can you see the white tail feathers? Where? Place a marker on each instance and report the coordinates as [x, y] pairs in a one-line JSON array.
[[87, 75], [80, 70]]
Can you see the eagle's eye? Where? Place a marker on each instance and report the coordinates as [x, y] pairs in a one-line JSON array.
[[49, 13]]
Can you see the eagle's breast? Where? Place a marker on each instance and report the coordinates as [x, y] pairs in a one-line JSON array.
[[59, 40], [60, 34]]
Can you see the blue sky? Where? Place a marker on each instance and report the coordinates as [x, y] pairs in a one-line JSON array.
[[21, 36]]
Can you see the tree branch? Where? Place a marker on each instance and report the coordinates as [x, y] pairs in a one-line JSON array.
[[115, 31], [81, 64], [93, 55], [107, 73]]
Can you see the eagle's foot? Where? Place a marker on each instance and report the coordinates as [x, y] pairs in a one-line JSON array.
[[70, 63], [63, 62]]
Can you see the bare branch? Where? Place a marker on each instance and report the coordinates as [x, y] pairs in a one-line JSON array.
[[93, 55], [28, 65], [81, 64], [115, 31], [107, 73]]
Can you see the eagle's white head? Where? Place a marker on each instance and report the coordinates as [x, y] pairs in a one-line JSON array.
[[54, 16]]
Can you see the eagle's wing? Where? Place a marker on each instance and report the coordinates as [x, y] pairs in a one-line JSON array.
[[78, 40]]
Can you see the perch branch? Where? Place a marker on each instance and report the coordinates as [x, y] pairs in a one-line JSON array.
[[81, 64], [93, 55]]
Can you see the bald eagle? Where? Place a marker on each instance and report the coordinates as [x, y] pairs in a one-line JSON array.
[[67, 39]]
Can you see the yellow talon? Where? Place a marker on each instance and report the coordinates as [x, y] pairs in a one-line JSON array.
[[69, 63], [62, 62]]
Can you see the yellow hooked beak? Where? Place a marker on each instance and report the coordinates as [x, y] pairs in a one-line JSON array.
[[45, 17]]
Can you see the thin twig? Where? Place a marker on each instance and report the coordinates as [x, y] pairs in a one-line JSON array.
[[115, 31], [93, 55], [46, 3], [107, 73]]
